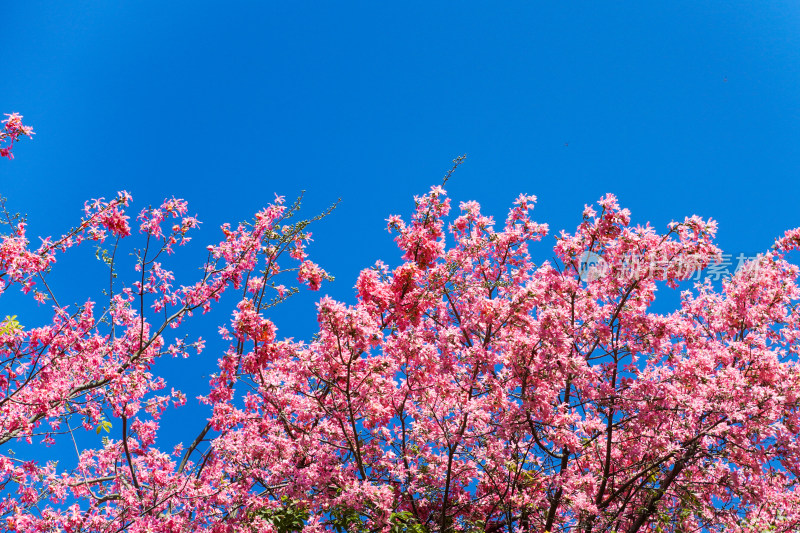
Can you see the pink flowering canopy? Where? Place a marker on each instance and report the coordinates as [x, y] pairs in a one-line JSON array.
[[465, 389]]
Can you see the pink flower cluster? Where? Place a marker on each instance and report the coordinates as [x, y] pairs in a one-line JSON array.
[[467, 388], [11, 132], [81, 371]]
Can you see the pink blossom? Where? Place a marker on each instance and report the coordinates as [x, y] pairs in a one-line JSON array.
[[464, 388]]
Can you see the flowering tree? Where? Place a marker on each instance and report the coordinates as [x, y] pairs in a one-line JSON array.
[[466, 389], [12, 130], [84, 369], [469, 389]]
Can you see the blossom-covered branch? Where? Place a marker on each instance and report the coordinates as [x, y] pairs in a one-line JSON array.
[[12, 130], [467, 387]]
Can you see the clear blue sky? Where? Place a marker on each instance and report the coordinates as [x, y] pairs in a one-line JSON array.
[[678, 107], [370, 101]]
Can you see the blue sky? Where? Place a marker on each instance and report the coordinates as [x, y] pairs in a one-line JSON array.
[[678, 107], [371, 101]]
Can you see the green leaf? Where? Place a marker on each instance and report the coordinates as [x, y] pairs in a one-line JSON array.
[[10, 325], [104, 425]]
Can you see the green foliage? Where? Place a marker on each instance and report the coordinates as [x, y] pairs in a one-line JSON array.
[[104, 425], [10, 325], [102, 255], [289, 518], [404, 522], [348, 520]]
